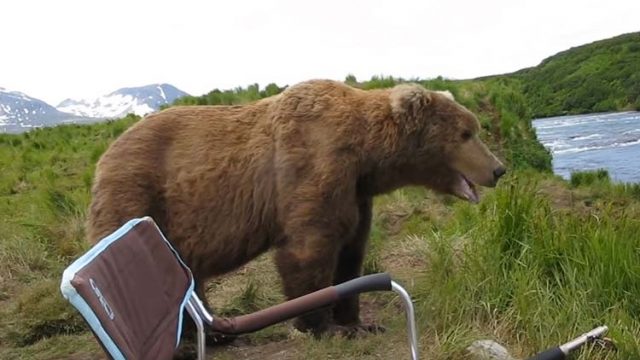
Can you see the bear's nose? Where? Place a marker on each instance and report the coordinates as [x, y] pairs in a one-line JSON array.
[[498, 172]]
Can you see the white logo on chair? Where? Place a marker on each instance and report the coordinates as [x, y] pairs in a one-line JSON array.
[[103, 301]]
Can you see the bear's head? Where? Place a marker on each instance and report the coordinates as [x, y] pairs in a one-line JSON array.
[[443, 143]]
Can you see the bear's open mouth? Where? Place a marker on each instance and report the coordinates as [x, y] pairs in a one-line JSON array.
[[466, 189]]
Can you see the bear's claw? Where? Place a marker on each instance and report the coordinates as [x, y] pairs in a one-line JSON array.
[[359, 330]]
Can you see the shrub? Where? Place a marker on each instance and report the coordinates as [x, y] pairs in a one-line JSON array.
[[590, 177]]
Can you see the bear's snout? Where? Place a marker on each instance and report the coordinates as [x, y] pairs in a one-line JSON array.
[[498, 172]]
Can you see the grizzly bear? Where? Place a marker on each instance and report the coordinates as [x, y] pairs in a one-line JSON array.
[[295, 172]]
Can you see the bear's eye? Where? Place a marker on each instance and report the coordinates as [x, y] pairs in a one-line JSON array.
[[466, 135]]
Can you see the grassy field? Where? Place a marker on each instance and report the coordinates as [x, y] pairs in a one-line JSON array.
[[538, 262]]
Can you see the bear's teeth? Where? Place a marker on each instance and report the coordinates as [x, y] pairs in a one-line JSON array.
[[466, 189], [469, 190]]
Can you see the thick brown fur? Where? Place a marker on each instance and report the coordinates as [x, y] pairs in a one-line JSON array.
[[295, 172]]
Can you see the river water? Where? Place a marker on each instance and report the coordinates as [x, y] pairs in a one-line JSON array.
[[587, 142]]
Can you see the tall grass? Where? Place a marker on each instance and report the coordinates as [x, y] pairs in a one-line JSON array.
[[586, 178], [44, 191], [544, 274], [600, 181]]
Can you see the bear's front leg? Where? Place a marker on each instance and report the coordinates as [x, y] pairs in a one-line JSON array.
[[305, 273], [315, 228], [324, 245], [347, 312]]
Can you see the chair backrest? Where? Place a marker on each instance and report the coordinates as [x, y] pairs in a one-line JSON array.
[[132, 289]]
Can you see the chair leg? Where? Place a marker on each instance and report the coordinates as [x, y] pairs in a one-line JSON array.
[[200, 327], [411, 321], [202, 311]]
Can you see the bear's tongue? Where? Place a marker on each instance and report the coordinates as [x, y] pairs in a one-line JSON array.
[[467, 190]]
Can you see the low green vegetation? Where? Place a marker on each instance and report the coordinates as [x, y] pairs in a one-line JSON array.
[[599, 182], [235, 96], [538, 262], [586, 178]]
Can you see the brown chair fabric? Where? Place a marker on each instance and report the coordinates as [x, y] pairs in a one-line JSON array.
[[136, 287]]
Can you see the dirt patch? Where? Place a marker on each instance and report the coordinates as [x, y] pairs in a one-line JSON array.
[[558, 194], [285, 350], [284, 342]]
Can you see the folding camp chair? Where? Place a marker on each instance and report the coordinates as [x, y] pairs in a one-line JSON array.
[[132, 289]]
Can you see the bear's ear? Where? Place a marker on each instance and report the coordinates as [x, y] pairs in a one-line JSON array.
[[446, 94], [409, 100]]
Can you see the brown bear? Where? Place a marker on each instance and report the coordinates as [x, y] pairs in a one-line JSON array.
[[295, 172]]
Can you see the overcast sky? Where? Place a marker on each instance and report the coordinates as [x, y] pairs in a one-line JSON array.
[[53, 50]]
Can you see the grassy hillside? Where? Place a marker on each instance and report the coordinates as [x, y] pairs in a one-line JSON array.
[[596, 77], [537, 262]]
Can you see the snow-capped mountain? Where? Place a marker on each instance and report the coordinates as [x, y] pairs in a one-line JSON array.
[[19, 112], [138, 100]]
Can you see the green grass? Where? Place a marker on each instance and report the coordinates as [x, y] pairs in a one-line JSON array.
[[587, 178], [599, 185], [547, 274], [44, 191]]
